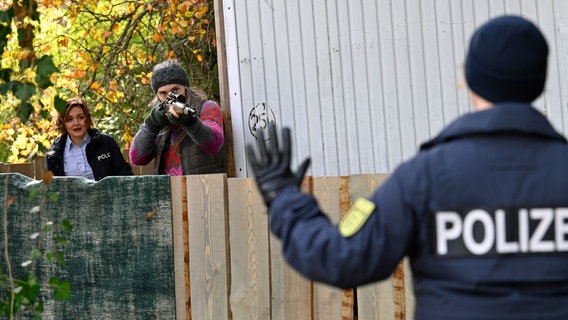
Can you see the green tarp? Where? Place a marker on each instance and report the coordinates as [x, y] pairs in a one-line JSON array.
[[120, 261]]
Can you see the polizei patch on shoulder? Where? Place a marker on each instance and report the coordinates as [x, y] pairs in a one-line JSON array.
[[356, 217]]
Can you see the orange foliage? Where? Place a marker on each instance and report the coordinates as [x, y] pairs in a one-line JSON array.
[[105, 53]]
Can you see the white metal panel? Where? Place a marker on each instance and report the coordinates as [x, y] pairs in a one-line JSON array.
[[235, 97], [560, 56], [363, 83], [375, 89]]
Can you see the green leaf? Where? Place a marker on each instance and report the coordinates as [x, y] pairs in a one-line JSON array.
[[62, 241], [47, 228], [66, 225], [32, 280], [32, 4], [42, 148], [4, 87], [34, 193], [45, 68], [44, 114], [62, 289], [5, 26], [60, 258], [34, 292], [49, 255], [31, 288], [25, 110], [5, 308], [36, 253], [39, 310], [59, 104], [24, 91], [5, 75], [24, 63], [53, 195]]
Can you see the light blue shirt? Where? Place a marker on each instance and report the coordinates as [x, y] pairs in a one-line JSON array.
[[75, 159]]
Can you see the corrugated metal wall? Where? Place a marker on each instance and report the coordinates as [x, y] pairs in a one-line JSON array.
[[363, 83]]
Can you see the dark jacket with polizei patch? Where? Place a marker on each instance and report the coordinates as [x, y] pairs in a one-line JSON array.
[[103, 154], [481, 213]]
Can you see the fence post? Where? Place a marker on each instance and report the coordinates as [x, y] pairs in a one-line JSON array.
[[250, 251], [178, 190], [237, 270], [328, 300], [40, 166], [209, 266], [27, 169]]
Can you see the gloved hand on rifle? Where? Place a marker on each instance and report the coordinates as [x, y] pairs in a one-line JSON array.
[[156, 119], [271, 165], [181, 119]]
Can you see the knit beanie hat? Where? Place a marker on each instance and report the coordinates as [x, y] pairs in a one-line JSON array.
[[168, 72], [507, 60]]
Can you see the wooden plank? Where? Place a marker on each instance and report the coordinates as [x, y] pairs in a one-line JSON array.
[[40, 166], [394, 294], [224, 91], [398, 292], [250, 266], [27, 169], [208, 246], [178, 187], [147, 169], [409, 298], [327, 299], [348, 300], [126, 155], [374, 301], [2, 168], [291, 292], [363, 185]]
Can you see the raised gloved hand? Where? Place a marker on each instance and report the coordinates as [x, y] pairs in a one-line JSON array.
[[156, 119], [271, 165], [182, 119]]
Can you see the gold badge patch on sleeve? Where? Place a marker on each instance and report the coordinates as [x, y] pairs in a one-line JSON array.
[[356, 217]]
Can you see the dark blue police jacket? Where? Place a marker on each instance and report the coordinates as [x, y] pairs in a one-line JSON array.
[[481, 212]]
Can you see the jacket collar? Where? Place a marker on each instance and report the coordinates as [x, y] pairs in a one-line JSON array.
[[510, 117], [59, 143]]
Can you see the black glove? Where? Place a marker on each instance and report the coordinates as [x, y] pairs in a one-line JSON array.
[[271, 166], [185, 120], [156, 119]]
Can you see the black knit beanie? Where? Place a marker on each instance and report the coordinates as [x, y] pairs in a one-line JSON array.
[[168, 72], [507, 60]]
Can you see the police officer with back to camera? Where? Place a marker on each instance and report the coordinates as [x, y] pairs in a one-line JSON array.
[[481, 211]]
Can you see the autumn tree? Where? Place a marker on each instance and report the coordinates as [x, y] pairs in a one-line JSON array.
[[103, 51]]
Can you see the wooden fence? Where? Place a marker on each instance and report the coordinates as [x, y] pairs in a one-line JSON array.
[[36, 168], [227, 265]]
